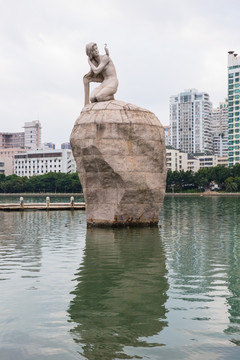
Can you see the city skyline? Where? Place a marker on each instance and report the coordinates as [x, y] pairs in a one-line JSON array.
[[171, 46]]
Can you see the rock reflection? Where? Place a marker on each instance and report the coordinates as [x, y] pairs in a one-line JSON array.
[[121, 291]]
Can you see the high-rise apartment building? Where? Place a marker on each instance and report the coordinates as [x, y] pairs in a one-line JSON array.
[[32, 134], [190, 121], [220, 129], [233, 108]]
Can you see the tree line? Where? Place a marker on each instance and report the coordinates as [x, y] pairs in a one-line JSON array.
[[50, 182], [225, 178]]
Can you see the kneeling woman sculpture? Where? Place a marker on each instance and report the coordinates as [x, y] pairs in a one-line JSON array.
[[103, 71]]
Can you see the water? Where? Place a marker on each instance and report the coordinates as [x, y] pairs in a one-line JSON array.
[[171, 292]]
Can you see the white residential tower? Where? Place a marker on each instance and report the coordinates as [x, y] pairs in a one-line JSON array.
[[233, 108], [190, 121]]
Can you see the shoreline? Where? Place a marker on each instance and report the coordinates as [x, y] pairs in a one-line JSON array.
[[206, 193]]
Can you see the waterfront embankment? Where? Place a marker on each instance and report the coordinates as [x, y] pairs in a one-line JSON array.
[[205, 193]]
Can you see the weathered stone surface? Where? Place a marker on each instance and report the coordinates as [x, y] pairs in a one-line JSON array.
[[119, 149]]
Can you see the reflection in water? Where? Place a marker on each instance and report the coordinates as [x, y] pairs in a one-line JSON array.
[[202, 246], [119, 299]]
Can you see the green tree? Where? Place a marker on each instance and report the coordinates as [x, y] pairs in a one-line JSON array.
[[220, 174], [51, 182], [202, 178], [231, 185]]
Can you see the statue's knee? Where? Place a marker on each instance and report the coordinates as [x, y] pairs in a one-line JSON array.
[[102, 97]]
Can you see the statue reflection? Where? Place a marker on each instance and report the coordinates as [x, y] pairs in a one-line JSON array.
[[119, 299]]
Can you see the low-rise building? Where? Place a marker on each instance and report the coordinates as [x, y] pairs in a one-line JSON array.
[[71, 164], [49, 145], [66, 145], [12, 140], [7, 159], [39, 162], [192, 163], [223, 160], [207, 160], [6, 166], [30, 138], [211, 160], [176, 160]]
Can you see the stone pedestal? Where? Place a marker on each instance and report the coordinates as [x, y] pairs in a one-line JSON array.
[[119, 149]]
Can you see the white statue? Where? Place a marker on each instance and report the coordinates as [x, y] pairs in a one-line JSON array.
[[103, 71]]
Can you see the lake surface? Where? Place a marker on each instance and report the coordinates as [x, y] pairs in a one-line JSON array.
[[171, 292]]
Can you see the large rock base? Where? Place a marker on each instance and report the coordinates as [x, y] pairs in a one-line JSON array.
[[119, 149]]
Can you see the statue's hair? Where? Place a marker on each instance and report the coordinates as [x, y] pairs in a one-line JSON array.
[[89, 48]]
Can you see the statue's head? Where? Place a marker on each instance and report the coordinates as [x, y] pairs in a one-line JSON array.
[[92, 50]]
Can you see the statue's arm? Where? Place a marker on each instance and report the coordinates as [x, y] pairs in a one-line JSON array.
[[91, 77], [98, 69]]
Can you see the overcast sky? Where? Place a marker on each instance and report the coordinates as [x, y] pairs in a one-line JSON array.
[[159, 48]]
